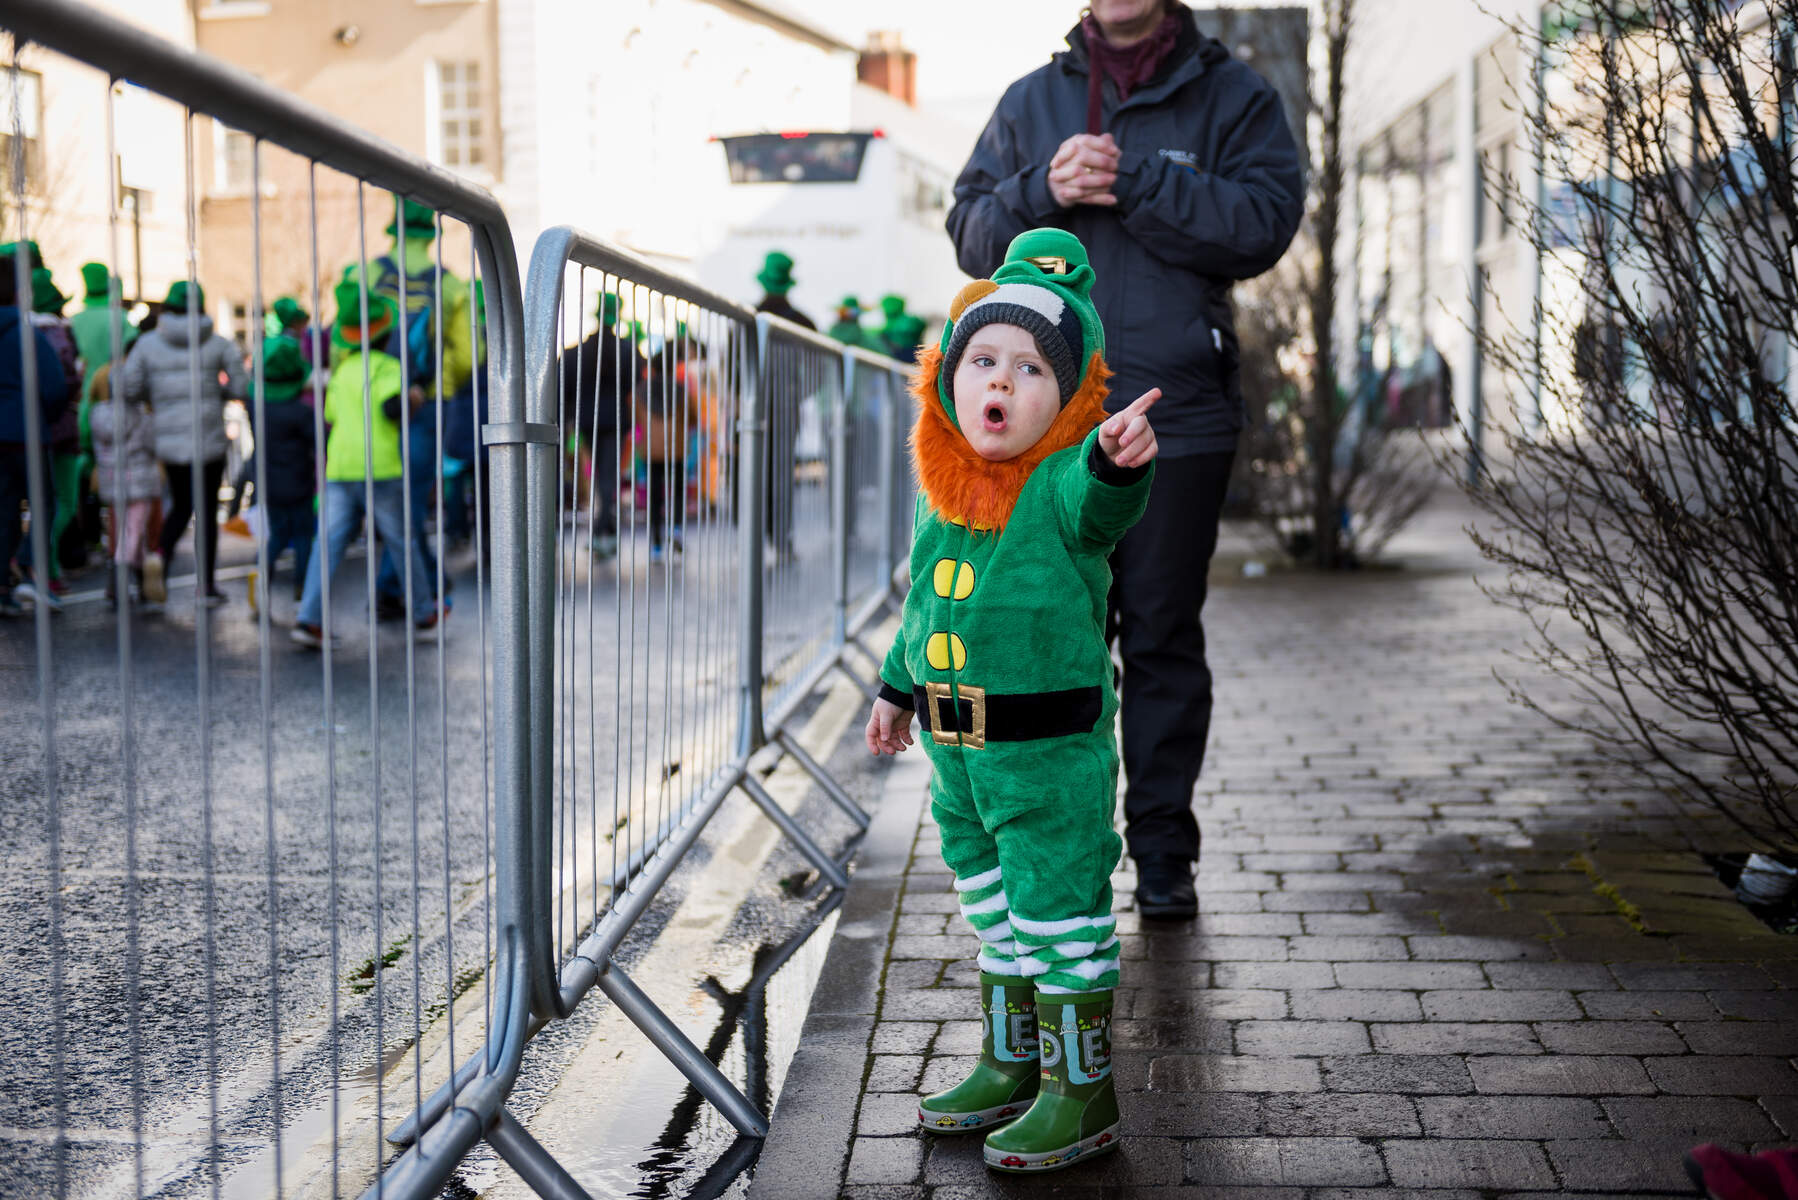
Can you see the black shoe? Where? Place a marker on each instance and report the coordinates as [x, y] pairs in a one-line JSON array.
[[1164, 887], [388, 608]]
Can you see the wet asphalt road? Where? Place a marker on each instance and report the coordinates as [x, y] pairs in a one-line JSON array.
[[169, 989]]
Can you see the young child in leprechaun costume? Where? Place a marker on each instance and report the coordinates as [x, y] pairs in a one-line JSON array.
[[1026, 487]]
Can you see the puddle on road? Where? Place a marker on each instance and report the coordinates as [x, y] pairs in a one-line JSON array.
[[644, 1132]]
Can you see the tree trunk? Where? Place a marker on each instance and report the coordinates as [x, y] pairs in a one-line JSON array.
[[1326, 503]]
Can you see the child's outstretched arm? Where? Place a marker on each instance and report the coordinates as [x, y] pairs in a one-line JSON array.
[[889, 728]]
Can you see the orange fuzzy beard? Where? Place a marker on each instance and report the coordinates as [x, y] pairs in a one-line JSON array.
[[962, 486]]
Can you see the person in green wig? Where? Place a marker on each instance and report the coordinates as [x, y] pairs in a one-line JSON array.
[[902, 336], [92, 326], [363, 455], [92, 330], [892, 307], [47, 303], [1025, 487]]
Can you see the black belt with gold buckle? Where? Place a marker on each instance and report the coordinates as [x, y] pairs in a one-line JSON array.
[[971, 716]]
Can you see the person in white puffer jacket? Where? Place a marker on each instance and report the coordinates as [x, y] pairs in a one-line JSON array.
[[160, 371]]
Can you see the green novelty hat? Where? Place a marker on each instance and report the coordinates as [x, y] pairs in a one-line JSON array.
[[776, 275], [176, 300], [906, 329], [46, 297], [11, 248], [285, 371], [287, 310], [348, 330], [1045, 287], [96, 281], [421, 220]]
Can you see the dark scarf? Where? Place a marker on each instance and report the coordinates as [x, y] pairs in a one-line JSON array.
[[1128, 68]]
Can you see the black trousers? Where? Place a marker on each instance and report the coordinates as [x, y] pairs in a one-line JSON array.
[[14, 491], [182, 507], [1157, 591], [667, 485]]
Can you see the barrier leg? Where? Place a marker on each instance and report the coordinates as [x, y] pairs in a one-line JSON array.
[[868, 690], [821, 777], [706, 1078], [827, 866], [535, 1165]]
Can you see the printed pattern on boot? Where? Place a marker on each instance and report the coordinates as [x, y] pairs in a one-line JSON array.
[[1004, 1081], [1076, 1113]]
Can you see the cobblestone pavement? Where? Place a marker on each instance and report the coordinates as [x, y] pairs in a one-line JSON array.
[[1443, 948]]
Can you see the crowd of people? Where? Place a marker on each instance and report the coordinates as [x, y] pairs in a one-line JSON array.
[[133, 438], [642, 412], [136, 447]]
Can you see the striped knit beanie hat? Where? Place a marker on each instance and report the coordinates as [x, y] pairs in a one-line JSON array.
[[1044, 286]]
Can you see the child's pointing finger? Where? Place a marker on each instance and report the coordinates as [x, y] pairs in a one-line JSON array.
[[1142, 403]]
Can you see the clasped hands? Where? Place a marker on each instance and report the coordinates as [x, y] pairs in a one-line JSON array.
[[1084, 170]]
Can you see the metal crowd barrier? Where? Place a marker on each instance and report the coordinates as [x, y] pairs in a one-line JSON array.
[[282, 892], [667, 611], [305, 933]]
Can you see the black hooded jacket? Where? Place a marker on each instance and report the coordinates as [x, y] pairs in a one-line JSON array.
[[1210, 190]]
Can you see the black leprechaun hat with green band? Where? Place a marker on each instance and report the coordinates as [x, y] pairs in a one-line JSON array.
[[1044, 286]]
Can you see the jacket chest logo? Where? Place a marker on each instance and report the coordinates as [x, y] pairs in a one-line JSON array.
[[1184, 158]]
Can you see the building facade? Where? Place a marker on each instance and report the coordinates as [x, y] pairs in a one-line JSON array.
[[62, 119], [422, 74], [1436, 89]]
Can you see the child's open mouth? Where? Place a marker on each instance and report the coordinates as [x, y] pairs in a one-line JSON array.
[[994, 418]]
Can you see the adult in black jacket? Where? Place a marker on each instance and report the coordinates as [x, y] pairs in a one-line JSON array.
[[597, 378], [787, 385], [1176, 166]]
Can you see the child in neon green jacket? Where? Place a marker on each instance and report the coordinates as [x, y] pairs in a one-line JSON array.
[[1026, 485]]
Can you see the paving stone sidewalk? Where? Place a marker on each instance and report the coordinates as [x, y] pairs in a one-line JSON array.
[[1443, 948]]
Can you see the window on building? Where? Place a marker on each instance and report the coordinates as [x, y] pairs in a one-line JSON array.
[[236, 151], [1497, 178], [28, 95], [239, 331], [460, 124], [799, 157]]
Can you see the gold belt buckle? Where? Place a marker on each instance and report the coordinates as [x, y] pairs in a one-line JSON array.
[[975, 737]]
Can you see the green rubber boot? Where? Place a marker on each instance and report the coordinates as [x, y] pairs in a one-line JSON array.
[[1076, 1113], [1003, 1082]]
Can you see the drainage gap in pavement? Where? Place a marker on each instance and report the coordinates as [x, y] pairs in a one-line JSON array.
[[766, 1036]]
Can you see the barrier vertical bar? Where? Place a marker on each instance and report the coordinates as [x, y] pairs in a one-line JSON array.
[[265, 663], [889, 480], [839, 504], [37, 493], [115, 319], [751, 434]]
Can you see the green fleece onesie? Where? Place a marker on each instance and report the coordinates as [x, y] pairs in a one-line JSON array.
[[1001, 651]]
